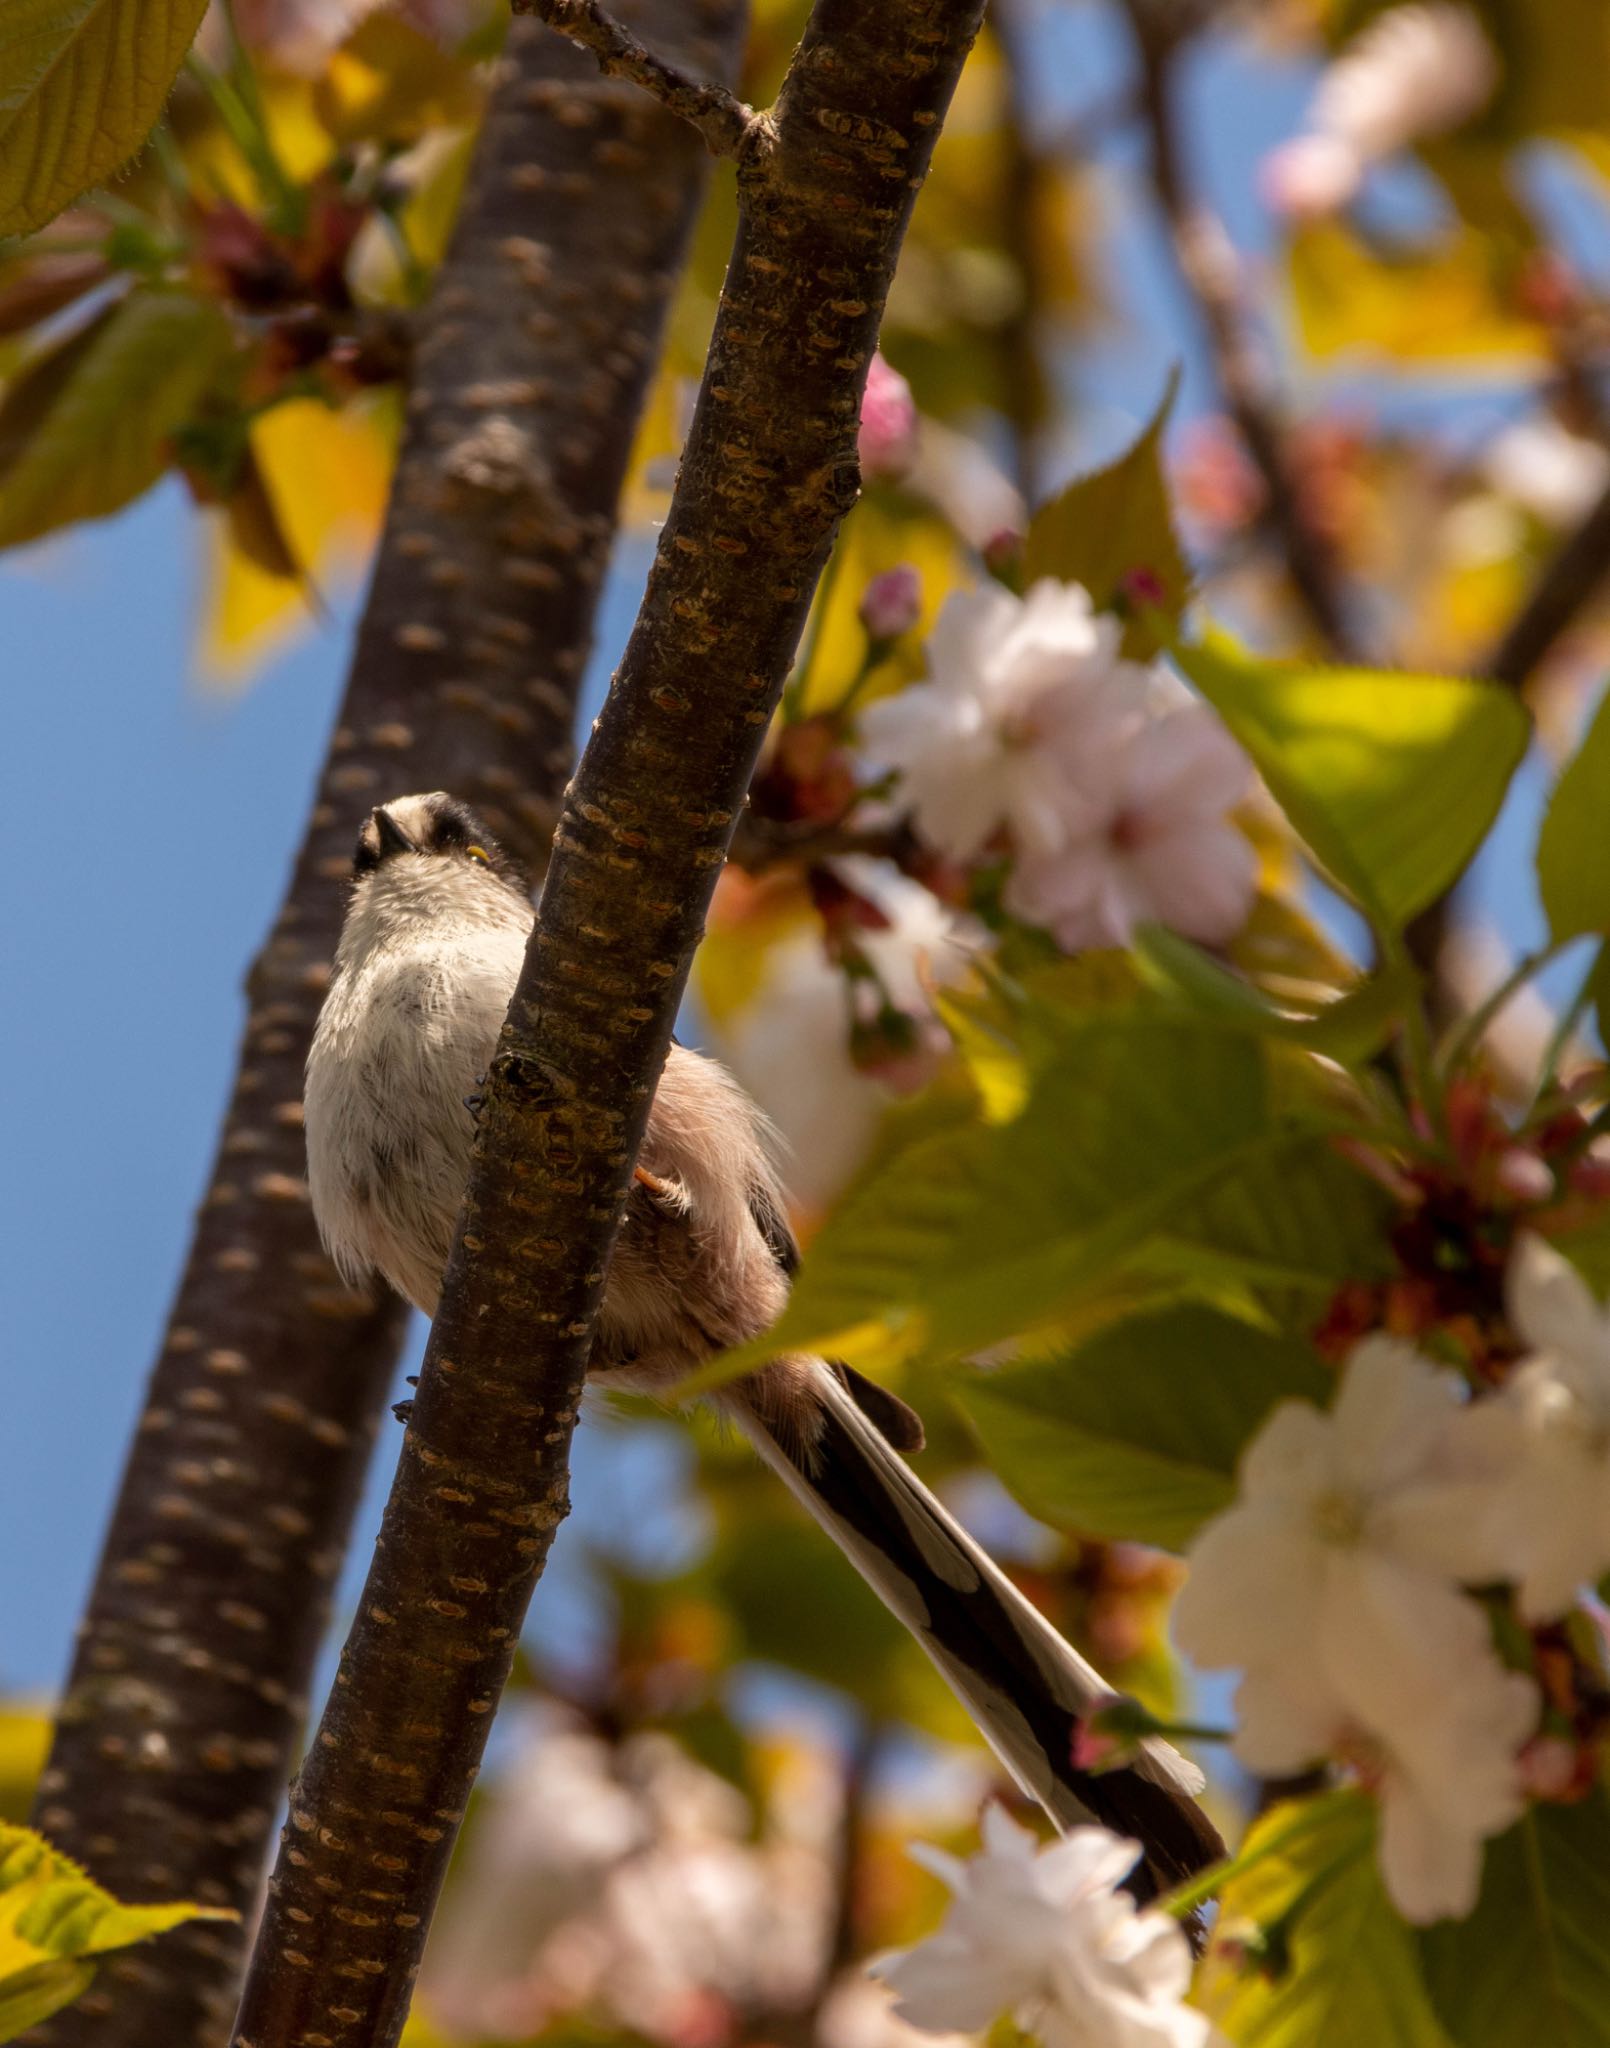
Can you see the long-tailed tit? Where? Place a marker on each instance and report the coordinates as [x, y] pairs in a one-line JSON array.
[[432, 946]]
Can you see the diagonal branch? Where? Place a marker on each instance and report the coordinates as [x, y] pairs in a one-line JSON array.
[[768, 472], [729, 127], [188, 1691], [1207, 263], [1574, 573]]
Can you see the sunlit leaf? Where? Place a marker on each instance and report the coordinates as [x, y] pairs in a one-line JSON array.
[[1572, 872], [1345, 1974], [1277, 1231], [86, 430], [31, 1995], [52, 1917], [1133, 1126], [1531, 1964], [1392, 779], [1113, 524], [324, 474], [24, 1741], [1135, 1434], [391, 82], [81, 82], [1349, 1029], [1416, 308]]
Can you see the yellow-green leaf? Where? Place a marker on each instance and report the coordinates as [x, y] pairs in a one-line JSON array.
[[1434, 305], [1531, 1965], [1350, 1978], [33, 1995], [1135, 1434], [84, 431], [1112, 524], [81, 83], [53, 1917], [1572, 872], [1392, 779]]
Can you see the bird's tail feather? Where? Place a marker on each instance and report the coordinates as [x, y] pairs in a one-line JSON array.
[[1022, 1684]]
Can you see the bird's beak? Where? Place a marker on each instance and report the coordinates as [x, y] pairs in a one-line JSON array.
[[393, 839]]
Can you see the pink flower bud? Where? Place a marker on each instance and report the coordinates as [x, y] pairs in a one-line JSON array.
[[1549, 1767], [1003, 555], [892, 603], [888, 424], [1523, 1176]]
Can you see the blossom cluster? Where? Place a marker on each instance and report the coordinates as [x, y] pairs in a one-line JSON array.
[[1415, 71], [623, 1880], [1106, 785], [1340, 1583], [1046, 1935]]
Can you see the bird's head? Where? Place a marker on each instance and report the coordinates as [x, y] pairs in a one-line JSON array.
[[432, 852]]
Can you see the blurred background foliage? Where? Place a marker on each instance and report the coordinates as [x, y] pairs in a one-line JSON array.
[[692, 1822]]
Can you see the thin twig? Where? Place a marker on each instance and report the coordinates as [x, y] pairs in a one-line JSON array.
[[1207, 263], [1576, 571], [728, 125]]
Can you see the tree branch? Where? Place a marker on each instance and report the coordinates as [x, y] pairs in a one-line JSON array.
[[1577, 569], [1207, 264], [728, 126], [187, 1694], [768, 472]]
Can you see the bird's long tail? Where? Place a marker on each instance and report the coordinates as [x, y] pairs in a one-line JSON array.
[[1021, 1683]]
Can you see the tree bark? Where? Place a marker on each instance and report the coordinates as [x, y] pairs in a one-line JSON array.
[[826, 187], [187, 1694]]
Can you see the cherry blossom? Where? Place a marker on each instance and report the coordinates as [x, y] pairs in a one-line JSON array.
[[1553, 1516], [1105, 781], [790, 1044], [1334, 1585], [1150, 839], [1044, 1933], [977, 742], [1413, 71]]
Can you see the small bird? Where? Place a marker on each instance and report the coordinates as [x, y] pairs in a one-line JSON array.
[[430, 951]]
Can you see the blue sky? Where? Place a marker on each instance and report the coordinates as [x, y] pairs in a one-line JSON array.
[[152, 831]]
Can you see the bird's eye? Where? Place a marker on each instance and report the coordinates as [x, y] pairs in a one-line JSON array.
[[479, 853]]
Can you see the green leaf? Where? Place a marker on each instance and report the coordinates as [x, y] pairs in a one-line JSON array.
[[1392, 779], [53, 1916], [34, 1994], [1286, 1223], [1572, 871], [85, 429], [1116, 521], [1342, 1970], [1142, 1129], [1134, 1436], [81, 83], [1351, 1029], [1532, 1963]]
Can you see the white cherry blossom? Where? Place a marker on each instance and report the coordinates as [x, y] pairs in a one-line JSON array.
[[977, 742], [1044, 1933], [789, 1044], [1333, 1584], [1150, 839], [1413, 71], [1552, 1518]]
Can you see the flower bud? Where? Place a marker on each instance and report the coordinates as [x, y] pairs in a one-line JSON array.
[[892, 603], [888, 439]]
